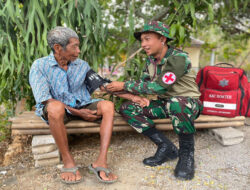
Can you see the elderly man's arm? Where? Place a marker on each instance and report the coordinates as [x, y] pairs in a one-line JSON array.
[[39, 83]]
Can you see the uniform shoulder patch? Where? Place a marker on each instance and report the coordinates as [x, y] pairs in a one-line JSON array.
[[168, 78], [172, 71]]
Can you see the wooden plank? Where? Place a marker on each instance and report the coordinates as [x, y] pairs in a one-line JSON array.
[[33, 113], [72, 124], [34, 117], [208, 118], [31, 118], [120, 120], [117, 121], [69, 131], [39, 120], [29, 123], [202, 117], [83, 124], [125, 128]]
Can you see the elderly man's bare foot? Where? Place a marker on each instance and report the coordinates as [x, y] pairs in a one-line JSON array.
[[70, 175], [110, 177]]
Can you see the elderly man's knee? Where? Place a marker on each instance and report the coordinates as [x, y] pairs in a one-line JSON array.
[[107, 106], [56, 110]]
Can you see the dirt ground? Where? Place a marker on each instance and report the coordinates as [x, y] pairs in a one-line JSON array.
[[217, 167]]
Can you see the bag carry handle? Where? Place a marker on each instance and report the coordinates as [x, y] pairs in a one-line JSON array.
[[228, 64]]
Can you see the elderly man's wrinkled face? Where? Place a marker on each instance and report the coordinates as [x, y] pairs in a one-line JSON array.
[[71, 52], [152, 43]]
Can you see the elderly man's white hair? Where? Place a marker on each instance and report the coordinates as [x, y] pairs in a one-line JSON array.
[[60, 35]]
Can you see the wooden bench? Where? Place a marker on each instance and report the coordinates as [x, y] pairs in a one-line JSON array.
[[29, 124]]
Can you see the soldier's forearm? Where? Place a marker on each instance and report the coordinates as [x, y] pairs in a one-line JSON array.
[[144, 87]]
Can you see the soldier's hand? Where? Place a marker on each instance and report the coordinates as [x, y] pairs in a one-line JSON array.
[[147, 101], [102, 88], [141, 101], [115, 86]]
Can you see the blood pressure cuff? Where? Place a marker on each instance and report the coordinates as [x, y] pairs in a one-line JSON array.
[[94, 81], [172, 71]]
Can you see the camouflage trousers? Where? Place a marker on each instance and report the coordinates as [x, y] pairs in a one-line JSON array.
[[181, 110]]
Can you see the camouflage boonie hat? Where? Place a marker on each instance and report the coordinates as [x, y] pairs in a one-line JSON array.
[[154, 26]]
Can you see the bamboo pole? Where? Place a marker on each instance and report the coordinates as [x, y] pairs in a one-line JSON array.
[[36, 131], [82, 124], [120, 121], [31, 115]]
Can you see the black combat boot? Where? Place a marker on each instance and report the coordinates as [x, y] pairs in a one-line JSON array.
[[166, 149], [185, 166]]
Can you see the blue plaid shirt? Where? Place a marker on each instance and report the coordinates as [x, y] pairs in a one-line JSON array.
[[48, 80]]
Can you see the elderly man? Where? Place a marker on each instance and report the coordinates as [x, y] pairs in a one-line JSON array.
[[168, 75], [58, 85]]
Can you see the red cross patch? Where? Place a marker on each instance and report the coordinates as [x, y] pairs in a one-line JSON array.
[[169, 78]]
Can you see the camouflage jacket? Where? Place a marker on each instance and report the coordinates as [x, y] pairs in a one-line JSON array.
[[171, 77]]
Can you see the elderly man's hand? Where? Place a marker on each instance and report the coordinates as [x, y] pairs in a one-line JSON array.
[[88, 115], [141, 101], [115, 86]]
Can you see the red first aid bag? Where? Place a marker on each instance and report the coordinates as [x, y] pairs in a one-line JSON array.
[[224, 90], [248, 103]]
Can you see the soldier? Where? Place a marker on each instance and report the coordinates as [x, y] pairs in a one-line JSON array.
[[167, 74]]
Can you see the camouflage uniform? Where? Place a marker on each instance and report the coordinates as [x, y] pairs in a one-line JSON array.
[[173, 82]]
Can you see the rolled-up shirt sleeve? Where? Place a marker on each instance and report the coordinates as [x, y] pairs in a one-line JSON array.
[[144, 87], [39, 84]]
